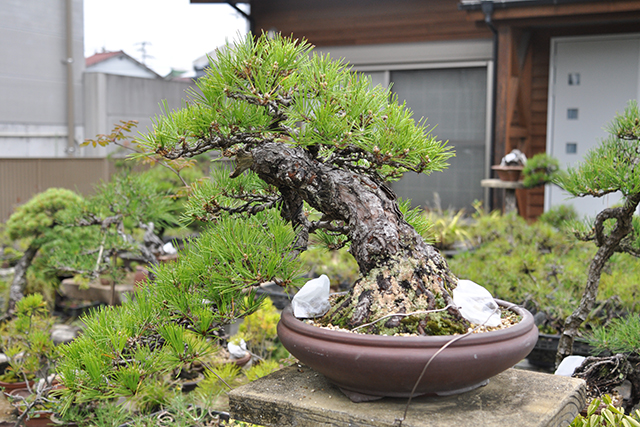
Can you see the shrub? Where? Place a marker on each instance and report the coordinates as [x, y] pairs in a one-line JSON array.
[[543, 268], [602, 413]]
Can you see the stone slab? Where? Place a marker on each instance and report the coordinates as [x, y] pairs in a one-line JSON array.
[[498, 183], [298, 396]]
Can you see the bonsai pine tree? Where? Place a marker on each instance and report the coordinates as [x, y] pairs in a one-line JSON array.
[[613, 166], [86, 236], [319, 146], [314, 146], [35, 220]]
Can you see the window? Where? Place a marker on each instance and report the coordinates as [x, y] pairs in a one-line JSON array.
[[454, 102]]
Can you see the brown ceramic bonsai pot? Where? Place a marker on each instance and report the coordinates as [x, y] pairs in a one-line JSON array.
[[366, 367], [508, 173]]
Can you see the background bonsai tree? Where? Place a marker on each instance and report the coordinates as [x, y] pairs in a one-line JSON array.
[[318, 144], [35, 220], [613, 166], [26, 341], [113, 228]]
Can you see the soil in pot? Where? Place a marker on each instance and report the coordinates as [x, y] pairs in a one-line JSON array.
[[367, 367]]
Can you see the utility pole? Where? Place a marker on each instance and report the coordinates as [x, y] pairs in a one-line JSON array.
[[143, 52]]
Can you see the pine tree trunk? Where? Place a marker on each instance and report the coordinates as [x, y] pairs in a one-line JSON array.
[[400, 272], [16, 291], [579, 315]]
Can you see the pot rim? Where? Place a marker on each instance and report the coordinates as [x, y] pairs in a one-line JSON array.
[[524, 326], [507, 167]]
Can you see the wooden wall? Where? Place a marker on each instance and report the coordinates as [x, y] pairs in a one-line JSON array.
[[523, 82], [20, 179], [533, 200], [357, 22], [521, 111]]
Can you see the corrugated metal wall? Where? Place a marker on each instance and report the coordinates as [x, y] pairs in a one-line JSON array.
[[20, 179]]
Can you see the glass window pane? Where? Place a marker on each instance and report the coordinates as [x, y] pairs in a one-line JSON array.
[[454, 102]]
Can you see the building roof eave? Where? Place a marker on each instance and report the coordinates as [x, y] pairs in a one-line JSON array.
[[504, 4], [552, 12]]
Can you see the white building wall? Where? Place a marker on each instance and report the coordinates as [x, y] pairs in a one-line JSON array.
[[33, 76], [111, 98], [591, 79], [121, 66]]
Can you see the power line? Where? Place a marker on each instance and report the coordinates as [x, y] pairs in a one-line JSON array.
[[143, 52]]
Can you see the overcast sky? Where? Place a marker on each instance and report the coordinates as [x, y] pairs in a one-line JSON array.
[[176, 32]]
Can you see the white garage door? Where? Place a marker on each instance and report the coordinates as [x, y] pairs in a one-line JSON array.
[[591, 79]]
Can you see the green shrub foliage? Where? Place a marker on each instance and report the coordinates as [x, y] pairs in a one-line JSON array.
[[543, 268], [41, 213]]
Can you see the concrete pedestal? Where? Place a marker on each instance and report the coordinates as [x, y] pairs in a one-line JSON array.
[[298, 396], [510, 187]]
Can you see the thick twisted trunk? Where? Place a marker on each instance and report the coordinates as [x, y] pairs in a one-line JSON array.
[[400, 272]]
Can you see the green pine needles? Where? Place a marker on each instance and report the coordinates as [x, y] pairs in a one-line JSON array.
[[261, 101], [263, 89], [622, 335], [175, 324]]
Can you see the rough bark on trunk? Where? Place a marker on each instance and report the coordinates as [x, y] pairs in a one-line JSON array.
[[16, 291], [400, 272]]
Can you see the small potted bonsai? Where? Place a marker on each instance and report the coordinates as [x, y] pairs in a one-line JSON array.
[[102, 240], [314, 147], [26, 341], [540, 169]]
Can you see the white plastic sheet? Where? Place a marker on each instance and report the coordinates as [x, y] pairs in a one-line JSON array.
[[476, 304], [514, 158], [237, 348], [312, 300], [169, 249], [568, 365]]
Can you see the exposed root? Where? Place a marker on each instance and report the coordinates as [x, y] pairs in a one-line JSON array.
[[604, 374], [402, 286]]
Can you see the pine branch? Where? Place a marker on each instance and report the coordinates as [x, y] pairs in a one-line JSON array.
[[182, 149], [627, 248], [329, 226], [274, 106]]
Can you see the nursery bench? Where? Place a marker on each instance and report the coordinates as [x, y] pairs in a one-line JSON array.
[[298, 396]]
